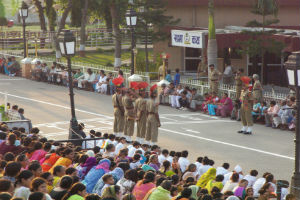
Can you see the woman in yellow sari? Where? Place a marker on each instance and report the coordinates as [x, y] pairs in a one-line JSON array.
[[65, 161], [215, 183], [207, 176]]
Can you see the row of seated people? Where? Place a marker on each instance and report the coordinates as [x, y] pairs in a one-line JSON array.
[[273, 115], [10, 66], [58, 74]]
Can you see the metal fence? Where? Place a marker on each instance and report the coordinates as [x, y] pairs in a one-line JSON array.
[[203, 87], [44, 40]]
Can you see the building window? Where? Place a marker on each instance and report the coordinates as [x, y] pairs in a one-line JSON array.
[[192, 58]]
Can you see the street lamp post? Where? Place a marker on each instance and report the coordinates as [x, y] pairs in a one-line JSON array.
[[23, 11], [293, 72], [67, 46], [131, 19]]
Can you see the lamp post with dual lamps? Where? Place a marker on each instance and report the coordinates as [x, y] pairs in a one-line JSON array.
[[23, 11], [131, 19], [293, 73], [67, 44]]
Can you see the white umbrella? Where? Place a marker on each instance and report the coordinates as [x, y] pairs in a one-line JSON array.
[[163, 82], [26, 61], [34, 61], [135, 78]]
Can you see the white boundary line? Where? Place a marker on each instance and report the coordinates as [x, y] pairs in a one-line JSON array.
[[228, 144], [60, 106]]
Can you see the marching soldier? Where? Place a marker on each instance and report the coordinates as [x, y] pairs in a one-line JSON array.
[[153, 121], [257, 89], [129, 114], [246, 108], [118, 107], [141, 114], [214, 77], [238, 83]]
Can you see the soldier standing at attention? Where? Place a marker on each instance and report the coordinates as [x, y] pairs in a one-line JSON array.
[[141, 113], [246, 108], [257, 89], [238, 83], [153, 121], [129, 114], [214, 77], [118, 107]]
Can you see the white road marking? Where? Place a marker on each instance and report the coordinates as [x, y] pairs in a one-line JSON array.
[[196, 122], [12, 79], [57, 105], [192, 131], [228, 144]]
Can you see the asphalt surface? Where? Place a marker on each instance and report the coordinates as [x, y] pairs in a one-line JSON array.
[[48, 107]]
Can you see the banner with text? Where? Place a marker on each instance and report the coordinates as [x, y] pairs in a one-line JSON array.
[[192, 39]]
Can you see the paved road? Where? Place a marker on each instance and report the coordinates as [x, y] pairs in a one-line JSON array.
[[48, 108]]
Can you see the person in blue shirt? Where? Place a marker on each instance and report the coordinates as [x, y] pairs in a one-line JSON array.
[[177, 78], [168, 76]]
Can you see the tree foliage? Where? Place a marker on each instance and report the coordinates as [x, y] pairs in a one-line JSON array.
[[51, 14], [76, 13]]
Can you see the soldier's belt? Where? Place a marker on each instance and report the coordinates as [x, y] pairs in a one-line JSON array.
[[214, 80], [129, 108]]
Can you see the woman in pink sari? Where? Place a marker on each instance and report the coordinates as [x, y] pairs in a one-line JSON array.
[[225, 106], [144, 186], [40, 151]]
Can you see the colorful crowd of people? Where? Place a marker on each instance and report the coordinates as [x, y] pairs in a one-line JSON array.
[[33, 167]]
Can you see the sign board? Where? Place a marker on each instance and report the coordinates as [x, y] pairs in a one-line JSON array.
[[192, 39]]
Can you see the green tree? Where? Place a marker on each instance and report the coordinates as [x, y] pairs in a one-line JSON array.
[[84, 11], [51, 14], [260, 41], [40, 10], [3, 20], [212, 47], [76, 13], [151, 23]]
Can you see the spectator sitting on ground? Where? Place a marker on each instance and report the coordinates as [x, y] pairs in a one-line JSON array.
[[212, 104], [183, 101], [176, 96], [101, 86], [225, 106], [285, 115], [195, 100], [271, 113], [110, 86], [207, 99], [14, 67], [87, 79], [163, 97], [13, 113], [53, 73], [76, 76], [45, 72], [36, 72], [256, 112]]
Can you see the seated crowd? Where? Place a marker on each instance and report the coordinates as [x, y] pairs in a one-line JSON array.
[[33, 167], [273, 115], [58, 74]]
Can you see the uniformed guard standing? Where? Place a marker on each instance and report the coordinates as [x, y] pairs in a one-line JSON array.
[[214, 77], [257, 89], [129, 114], [118, 107], [238, 83], [141, 112], [153, 121], [246, 107]]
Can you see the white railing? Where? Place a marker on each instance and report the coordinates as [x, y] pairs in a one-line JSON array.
[[203, 87]]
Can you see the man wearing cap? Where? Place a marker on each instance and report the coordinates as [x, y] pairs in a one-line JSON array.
[[141, 114], [118, 107], [257, 88], [129, 114], [238, 83], [246, 107], [214, 77], [153, 121]]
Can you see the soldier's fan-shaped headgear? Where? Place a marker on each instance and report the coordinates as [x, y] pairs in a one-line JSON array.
[[134, 85], [153, 89], [118, 81], [142, 86], [246, 80]]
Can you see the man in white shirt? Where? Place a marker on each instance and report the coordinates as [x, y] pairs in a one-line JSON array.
[[86, 79], [259, 183], [120, 145], [223, 170], [163, 156], [227, 75], [171, 156], [238, 169], [183, 161], [251, 178], [205, 166], [199, 164], [136, 161], [135, 146]]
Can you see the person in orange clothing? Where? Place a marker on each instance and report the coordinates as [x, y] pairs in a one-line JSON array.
[[65, 161], [51, 159]]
